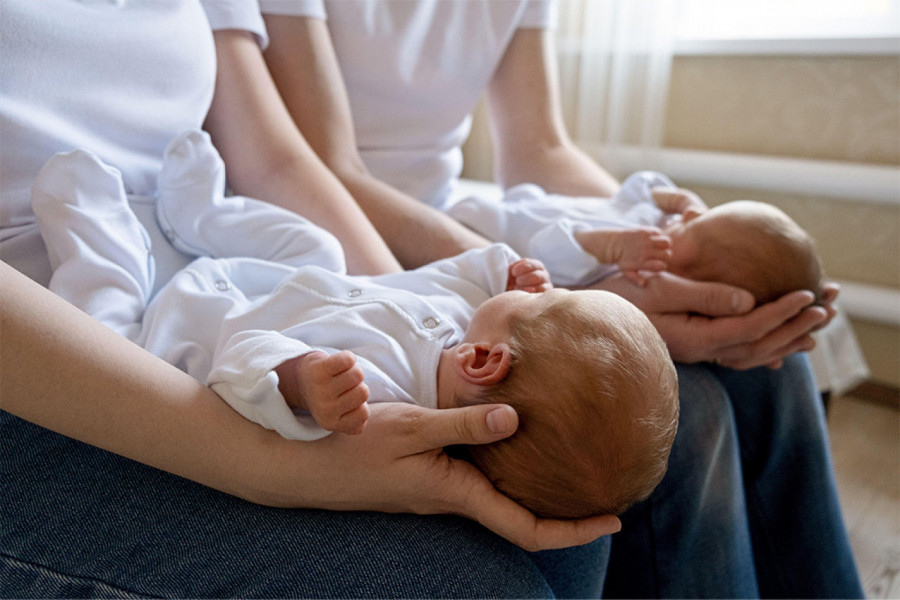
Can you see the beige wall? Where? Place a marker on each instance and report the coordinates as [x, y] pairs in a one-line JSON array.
[[829, 108], [841, 108], [837, 108]]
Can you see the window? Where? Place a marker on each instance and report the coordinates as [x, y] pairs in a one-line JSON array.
[[788, 19], [786, 25]]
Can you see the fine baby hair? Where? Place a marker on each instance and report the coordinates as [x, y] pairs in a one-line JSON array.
[[752, 245], [597, 399]]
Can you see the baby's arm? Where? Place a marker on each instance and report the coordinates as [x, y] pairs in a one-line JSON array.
[[528, 275], [677, 201], [633, 250], [331, 388]]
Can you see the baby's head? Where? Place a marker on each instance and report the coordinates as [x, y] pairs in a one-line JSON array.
[[597, 399], [751, 245]]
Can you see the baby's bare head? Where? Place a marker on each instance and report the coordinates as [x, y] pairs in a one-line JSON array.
[[597, 399], [755, 246]]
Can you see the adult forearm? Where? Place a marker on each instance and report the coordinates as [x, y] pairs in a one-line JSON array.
[[559, 168], [530, 138], [416, 233], [64, 371], [268, 158]]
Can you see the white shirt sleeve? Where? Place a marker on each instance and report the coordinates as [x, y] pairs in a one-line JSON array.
[[540, 14], [237, 14], [295, 8]]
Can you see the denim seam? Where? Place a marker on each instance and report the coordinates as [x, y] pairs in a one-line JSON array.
[[59, 576]]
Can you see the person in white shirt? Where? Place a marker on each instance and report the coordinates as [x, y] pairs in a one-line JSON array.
[[290, 341], [384, 91], [123, 475]]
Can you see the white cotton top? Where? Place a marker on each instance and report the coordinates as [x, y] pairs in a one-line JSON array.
[[120, 78], [414, 71], [543, 226], [397, 326]]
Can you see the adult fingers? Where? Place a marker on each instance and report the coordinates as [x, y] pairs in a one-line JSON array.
[[770, 349], [480, 501], [432, 429], [767, 325], [673, 294], [830, 292]]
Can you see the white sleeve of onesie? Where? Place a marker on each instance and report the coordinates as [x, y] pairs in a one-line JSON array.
[[243, 375], [535, 227]]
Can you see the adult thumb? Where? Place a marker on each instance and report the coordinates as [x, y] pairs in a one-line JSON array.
[[478, 424]]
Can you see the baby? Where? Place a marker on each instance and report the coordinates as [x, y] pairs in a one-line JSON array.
[[270, 320], [650, 225]]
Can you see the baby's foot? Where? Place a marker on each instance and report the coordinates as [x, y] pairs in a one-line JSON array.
[[331, 388], [192, 165], [191, 182], [78, 178], [99, 251]]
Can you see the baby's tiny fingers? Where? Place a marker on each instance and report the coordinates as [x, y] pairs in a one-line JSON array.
[[653, 265], [661, 242], [526, 265], [354, 422], [339, 362]]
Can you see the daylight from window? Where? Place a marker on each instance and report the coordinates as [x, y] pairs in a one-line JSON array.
[[788, 19]]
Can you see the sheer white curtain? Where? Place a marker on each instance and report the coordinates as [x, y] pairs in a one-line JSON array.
[[615, 60]]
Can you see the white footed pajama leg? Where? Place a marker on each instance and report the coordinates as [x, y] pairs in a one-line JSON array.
[[199, 219], [99, 252]]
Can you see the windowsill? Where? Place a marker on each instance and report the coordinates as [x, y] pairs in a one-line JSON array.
[[788, 47]]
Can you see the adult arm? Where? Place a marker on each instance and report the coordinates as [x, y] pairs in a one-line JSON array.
[[268, 158], [302, 62], [531, 144], [65, 371]]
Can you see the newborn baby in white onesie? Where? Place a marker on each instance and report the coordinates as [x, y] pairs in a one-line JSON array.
[[268, 317]]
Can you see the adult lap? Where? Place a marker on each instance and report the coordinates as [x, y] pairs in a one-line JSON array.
[[79, 521]]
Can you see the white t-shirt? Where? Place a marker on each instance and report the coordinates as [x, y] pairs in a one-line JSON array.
[[414, 71], [119, 78]]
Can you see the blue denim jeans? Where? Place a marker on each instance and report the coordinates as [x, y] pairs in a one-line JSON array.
[[76, 521], [748, 507]]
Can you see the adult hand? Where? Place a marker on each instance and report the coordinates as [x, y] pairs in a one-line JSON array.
[[398, 465], [715, 322]]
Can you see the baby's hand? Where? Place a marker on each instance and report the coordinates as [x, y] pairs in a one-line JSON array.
[[528, 275], [677, 201], [641, 250], [329, 387], [644, 248]]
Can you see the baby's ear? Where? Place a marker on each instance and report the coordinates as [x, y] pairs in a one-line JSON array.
[[482, 363]]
